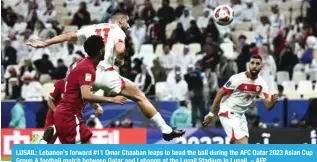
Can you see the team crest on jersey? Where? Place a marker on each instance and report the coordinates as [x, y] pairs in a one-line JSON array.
[[228, 84], [88, 77], [258, 88]]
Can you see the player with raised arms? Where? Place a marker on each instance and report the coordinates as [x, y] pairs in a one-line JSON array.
[[107, 78], [236, 96]]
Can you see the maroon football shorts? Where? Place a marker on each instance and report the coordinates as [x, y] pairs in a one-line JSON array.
[[71, 129]]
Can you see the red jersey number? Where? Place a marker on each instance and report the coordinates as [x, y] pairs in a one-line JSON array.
[[105, 33]]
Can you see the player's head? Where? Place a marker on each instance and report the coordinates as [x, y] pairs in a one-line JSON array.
[[255, 65], [280, 90], [165, 3], [95, 47], [166, 48], [121, 19]]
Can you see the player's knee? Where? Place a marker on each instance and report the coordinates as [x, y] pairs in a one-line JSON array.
[[139, 95], [134, 93]]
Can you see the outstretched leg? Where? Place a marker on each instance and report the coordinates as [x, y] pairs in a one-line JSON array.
[[112, 83], [132, 92]]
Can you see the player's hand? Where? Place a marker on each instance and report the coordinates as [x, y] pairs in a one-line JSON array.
[[36, 43], [207, 119], [99, 110], [119, 100], [274, 98]]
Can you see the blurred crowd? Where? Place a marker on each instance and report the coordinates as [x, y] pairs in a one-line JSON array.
[[174, 49]]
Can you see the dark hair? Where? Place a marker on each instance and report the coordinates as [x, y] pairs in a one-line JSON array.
[[256, 57], [60, 61], [193, 22], [179, 26], [84, 5], [119, 16], [45, 56], [93, 45], [280, 88], [70, 45], [183, 103], [242, 37], [166, 44], [252, 45], [167, 1], [80, 54]]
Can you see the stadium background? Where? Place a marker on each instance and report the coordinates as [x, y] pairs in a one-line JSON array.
[[285, 39]]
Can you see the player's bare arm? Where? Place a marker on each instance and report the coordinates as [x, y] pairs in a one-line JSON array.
[[270, 102], [214, 109], [87, 95], [120, 49], [97, 108], [58, 39], [215, 106], [51, 104], [122, 20]]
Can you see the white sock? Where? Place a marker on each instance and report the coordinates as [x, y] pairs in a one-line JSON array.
[[159, 121]]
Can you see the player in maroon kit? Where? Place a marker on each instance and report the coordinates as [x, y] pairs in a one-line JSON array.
[[69, 124], [54, 99], [50, 136]]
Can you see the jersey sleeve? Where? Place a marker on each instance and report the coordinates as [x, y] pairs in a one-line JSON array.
[[265, 91], [86, 77], [84, 33], [57, 90], [119, 35], [231, 85]]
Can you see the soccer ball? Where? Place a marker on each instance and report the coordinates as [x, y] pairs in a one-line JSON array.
[[223, 15]]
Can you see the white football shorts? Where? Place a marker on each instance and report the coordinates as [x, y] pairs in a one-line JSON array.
[[234, 124], [109, 80]]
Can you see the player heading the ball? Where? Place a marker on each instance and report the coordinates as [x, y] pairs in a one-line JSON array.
[[107, 78]]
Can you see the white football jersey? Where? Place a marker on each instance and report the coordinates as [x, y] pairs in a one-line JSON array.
[[111, 33], [242, 90]]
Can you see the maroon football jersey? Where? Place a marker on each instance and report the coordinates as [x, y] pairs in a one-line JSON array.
[[81, 73], [58, 91]]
